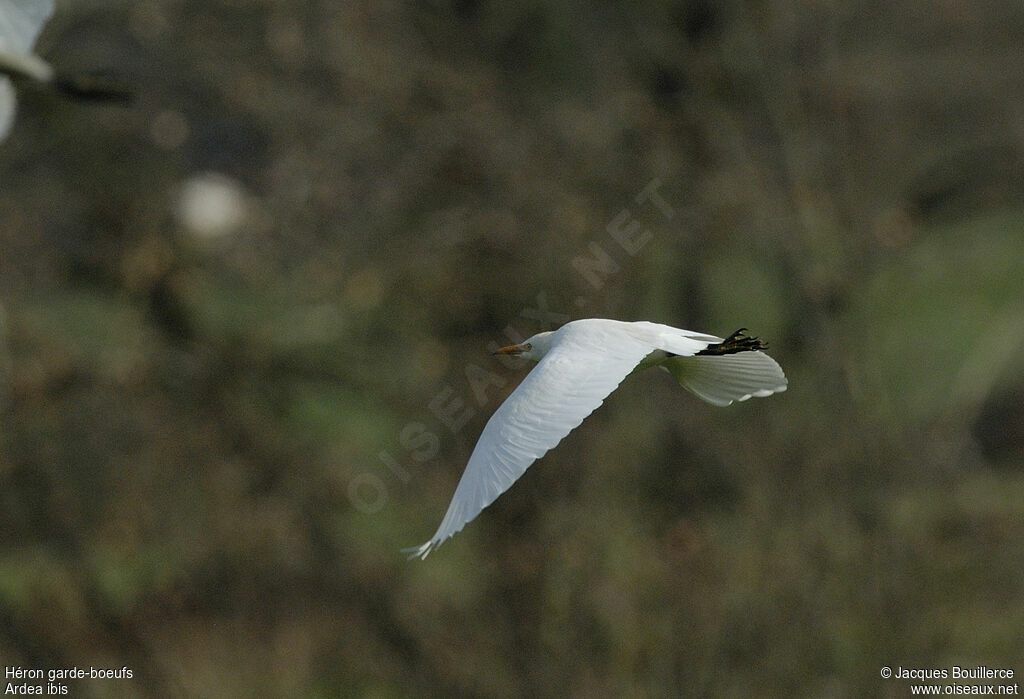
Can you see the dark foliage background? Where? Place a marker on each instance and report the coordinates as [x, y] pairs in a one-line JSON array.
[[217, 436]]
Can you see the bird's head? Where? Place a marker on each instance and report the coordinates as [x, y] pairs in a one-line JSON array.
[[534, 348]]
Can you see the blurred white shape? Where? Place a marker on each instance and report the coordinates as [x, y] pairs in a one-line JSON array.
[[212, 205], [21, 21], [6, 107]]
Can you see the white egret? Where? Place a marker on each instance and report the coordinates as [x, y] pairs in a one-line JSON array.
[[578, 366], [21, 21], [20, 24]]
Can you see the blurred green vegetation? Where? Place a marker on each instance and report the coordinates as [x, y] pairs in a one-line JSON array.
[[191, 473]]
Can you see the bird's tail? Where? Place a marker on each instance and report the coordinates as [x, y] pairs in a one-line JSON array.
[[721, 379]]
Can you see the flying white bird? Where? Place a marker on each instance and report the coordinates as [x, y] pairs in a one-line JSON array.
[[578, 366], [20, 24], [21, 21]]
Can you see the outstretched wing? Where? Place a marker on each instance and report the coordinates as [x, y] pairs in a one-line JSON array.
[[584, 365]]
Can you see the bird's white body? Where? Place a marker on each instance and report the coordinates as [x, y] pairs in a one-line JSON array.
[[578, 366], [21, 21]]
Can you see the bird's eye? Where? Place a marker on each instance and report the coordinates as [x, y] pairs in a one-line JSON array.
[[527, 347]]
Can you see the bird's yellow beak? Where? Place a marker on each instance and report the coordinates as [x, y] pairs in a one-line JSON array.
[[512, 349]]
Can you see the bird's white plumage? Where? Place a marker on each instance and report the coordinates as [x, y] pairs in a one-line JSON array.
[[585, 360], [21, 21], [722, 379]]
